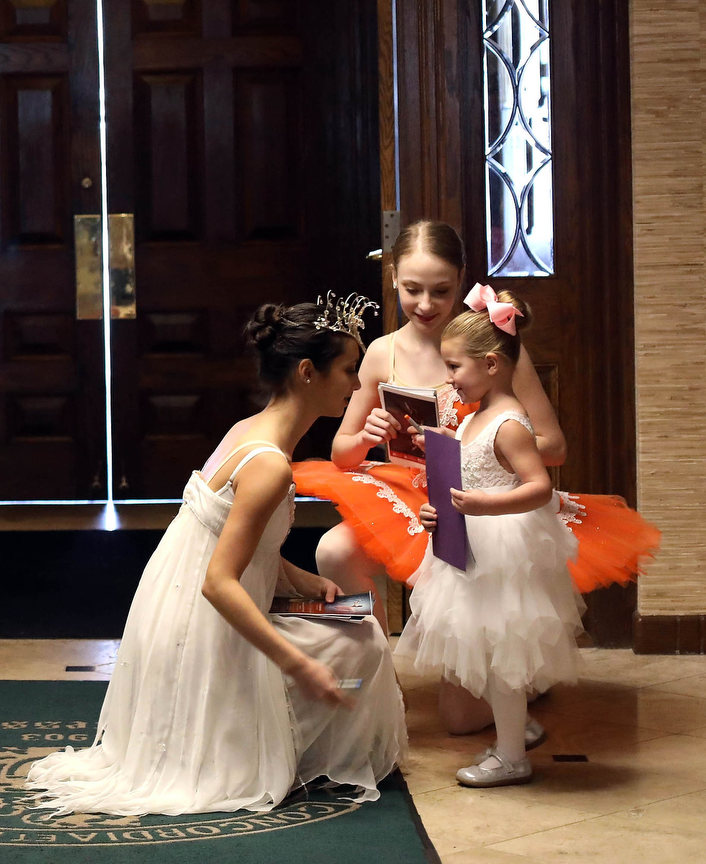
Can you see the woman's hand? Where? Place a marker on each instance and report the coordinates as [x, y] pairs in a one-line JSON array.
[[380, 427], [329, 590], [317, 586], [427, 516], [471, 503], [310, 584], [318, 682]]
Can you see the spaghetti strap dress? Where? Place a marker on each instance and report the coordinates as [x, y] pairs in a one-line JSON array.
[[514, 612], [380, 503], [196, 719]]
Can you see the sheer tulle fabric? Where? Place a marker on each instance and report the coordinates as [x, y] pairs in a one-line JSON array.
[[514, 614], [615, 542], [196, 719], [380, 503]]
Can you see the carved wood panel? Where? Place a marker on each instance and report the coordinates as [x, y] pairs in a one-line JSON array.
[[240, 135], [51, 403]]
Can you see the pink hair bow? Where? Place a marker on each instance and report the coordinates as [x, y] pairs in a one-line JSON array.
[[501, 314]]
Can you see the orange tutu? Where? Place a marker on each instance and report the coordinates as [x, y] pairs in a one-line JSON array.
[[615, 542], [380, 503]]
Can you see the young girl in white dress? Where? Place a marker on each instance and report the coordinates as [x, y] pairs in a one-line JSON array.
[[507, 624], [215, 705]]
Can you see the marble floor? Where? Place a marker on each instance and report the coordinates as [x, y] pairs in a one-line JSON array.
[[621, 778]]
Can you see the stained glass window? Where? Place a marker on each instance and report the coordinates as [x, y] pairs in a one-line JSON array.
[[518, 139]]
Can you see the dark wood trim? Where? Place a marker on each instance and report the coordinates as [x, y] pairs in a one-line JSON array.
[[594, 90], [388, 148], [669, 634], [601, 139]]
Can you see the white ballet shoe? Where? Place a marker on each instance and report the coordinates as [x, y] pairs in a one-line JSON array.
[[506, 773], [534, 733]]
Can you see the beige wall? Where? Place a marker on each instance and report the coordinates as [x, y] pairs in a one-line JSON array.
[[669, 167]]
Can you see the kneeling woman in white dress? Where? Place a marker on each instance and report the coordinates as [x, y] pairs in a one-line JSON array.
[[215, 705]]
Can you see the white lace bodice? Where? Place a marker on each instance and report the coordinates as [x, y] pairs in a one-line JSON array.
[[480, 468]]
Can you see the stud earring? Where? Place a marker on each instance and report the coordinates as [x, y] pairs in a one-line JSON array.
[[308, 380]]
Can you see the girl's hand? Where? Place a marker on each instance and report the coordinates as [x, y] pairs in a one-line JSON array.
[[427, 516], [417, 439], [318, 682], [474, 502], [380, 427]]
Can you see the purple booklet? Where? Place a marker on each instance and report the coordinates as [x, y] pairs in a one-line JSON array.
[[443, 455]]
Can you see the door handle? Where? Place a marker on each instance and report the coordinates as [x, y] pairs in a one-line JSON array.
[[121, 234], [88, 248], [89, 258], [374, 255]]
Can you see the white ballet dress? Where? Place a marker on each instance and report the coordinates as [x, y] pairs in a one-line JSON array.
[[196, 719], [514, 612]]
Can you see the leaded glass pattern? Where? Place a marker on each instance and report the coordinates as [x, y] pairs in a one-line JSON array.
[[518, 140]]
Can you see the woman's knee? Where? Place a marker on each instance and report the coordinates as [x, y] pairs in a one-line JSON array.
[[460, 711]]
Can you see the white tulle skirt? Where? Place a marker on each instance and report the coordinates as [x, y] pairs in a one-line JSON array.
[[514, 613], [217, 753]]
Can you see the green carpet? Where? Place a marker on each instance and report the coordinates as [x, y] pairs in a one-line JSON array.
[[311, 827]]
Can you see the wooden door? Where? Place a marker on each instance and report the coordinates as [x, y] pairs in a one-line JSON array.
[[52, 427], [232, 139], [582, 342]]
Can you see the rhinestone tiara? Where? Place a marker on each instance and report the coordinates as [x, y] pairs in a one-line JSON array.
[[344, 316]]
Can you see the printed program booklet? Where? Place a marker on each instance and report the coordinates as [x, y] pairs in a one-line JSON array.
[[421, 404], [347, 607], [449, 541]]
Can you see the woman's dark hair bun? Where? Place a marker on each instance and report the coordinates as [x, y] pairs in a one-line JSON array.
[[282, 336], [265, 325]]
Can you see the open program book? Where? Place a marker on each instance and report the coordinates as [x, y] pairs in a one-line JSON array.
[[347, 607], [419, 403]]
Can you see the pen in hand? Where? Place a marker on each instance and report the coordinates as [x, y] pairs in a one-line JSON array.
[[414, 423]]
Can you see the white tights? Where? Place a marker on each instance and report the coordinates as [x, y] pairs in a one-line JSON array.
[[510, 715]]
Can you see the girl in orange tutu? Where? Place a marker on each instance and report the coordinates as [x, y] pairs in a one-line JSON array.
[[379, 502]]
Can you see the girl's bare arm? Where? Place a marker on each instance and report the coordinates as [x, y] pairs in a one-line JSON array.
[[365, 424]]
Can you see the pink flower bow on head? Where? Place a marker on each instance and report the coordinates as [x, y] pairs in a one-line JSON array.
[[501, 314]]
